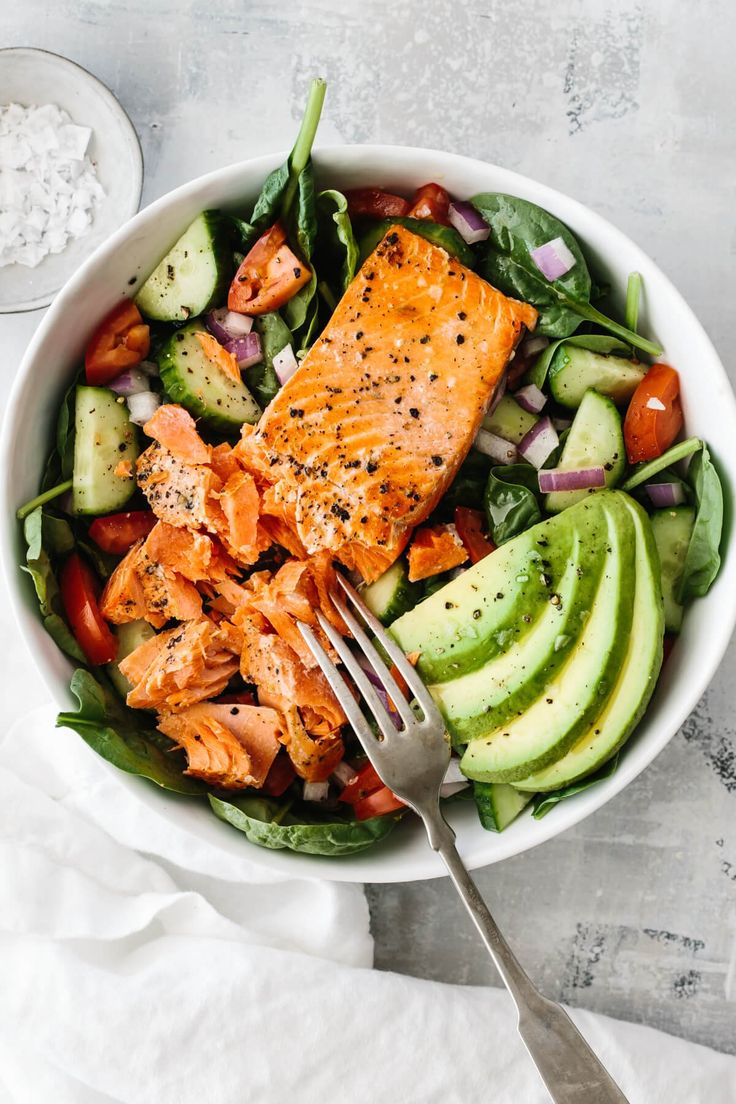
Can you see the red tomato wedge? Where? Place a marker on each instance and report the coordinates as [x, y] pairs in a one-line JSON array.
[[378, 803], [79, 591], [471, 529], [654, 417], [279, 777], [431, 201], [120, 342], [269, 276], [374, 203], [365, 782], [117, 533]]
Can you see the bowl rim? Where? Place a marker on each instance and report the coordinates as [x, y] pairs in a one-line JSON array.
[[23, 306], [571, 812]]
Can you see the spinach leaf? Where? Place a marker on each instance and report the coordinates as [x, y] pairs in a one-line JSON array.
[[633, 298], [65, 432], [337, 250], [644, 472], [242, 233], [469, 485], [42, 532], [544, 802], [275, 335], [444, 236], [512, 500], [596, 343], [120, 736], [264, 822], [703, 560], [517, 228]]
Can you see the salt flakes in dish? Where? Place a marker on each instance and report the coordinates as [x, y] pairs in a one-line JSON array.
[[49, 189]]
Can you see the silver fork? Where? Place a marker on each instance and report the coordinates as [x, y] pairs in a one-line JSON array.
[[412, 760]]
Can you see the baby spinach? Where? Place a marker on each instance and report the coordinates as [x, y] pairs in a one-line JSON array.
[[275, 335], [511, 500], [517, 228], [644, 472], [468, 486], [45, 534], [544, 802], [337, 249], [120, 736], [264, 822], [633, 298], [703, 560], [595, 343], [444, 236]]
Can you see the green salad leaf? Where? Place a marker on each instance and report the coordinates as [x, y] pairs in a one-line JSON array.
[[545, 802], [703, 559], [275, 335], [642, 473], [337, 250], [119, 735], [44, 533], [469, 485], [517, 228], [595, 343], [444, 236], [264, 821], [512, 500]]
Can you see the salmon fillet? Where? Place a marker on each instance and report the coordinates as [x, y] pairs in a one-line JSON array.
[[363, 440], [184, 665], [231, 746]]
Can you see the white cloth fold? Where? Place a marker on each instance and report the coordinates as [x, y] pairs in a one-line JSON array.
[[138, 965]]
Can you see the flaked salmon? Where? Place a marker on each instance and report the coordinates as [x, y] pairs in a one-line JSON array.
[[434, 549], [363, 440], [183, 665], [227, 745], [314, 757]]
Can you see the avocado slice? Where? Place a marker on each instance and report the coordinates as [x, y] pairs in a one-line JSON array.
[[566, 704], [459, 628], [637, 678]]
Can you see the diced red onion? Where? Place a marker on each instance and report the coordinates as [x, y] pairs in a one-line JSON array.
[[150, 367], [498, 448], [246, 350], [539, 443], [378, 687], [316, 791], [130, 382], [531, 399], [226, 325], [343, 773], [584, 479], [447, 789], [664, 495], [561, 423], [654, 403], [285, 364], [469, 223], [532, 345], [453, 772], [143, 406], [500, 392], [553, 259]]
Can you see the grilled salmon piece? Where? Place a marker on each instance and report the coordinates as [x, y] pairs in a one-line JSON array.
[[142, 588], [363, 440], [314, 757], [184, 665], [174, 428], [178, 492], [231, 746], [434, 549]]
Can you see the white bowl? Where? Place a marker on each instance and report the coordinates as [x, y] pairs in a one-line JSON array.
[[710, 411], [29, 76]]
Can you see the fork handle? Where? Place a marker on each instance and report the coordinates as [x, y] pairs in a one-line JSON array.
[[570, 1070]]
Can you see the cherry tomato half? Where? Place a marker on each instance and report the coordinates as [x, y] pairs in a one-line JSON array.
[[432, 202], [365, 782], [117, 533], [269, 276], [654, 417], [79, 589], [374, 203], [471, 528], [378, 803], [120, 342]]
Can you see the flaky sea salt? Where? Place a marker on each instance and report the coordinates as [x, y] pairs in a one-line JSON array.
[[49, 189]]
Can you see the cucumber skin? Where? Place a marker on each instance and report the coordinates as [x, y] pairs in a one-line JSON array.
[[557, 501], [125, 488], [178, 392], [676, 522], [564, 363], [404, 597], [148, 295]]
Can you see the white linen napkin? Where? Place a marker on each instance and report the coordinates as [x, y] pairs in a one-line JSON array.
[[139, 966]]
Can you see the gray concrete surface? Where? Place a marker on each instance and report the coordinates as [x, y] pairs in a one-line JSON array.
[[629, 107]]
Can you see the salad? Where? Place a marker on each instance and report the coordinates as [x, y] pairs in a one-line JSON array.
[[421, 391]]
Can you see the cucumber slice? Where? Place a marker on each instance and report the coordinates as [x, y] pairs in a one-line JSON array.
[[498, 804], [574, 371], [392, 595], [510, 421], [103, 436], [672, 531], [193, 276], [199, 385], [595, 439], [129, 637]]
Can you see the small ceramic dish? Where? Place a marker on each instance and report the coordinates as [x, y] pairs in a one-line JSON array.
[[38, 77]]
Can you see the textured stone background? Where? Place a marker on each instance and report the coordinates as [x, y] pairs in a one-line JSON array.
[[628, 107]]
